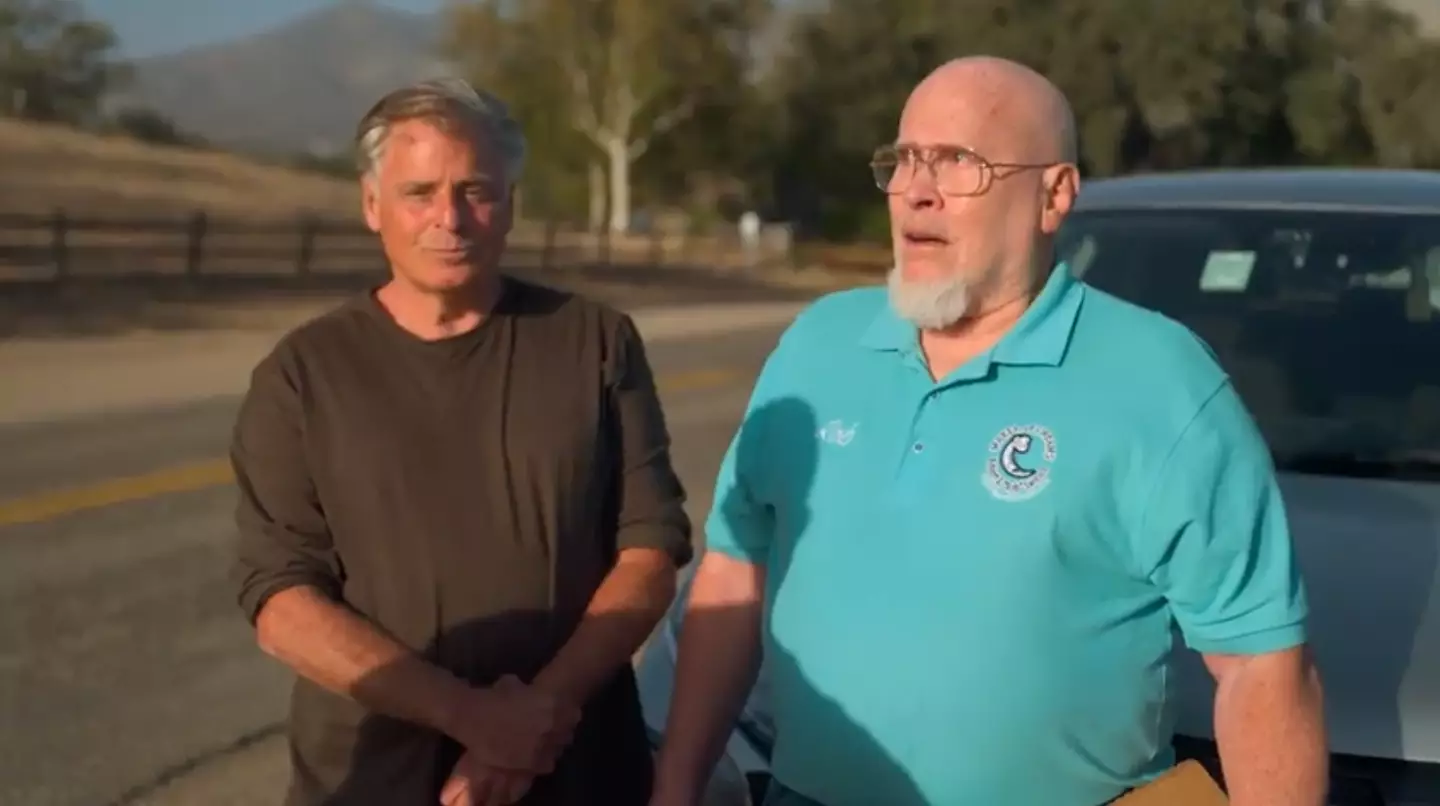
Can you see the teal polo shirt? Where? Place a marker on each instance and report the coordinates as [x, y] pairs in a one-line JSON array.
[[972, 583]]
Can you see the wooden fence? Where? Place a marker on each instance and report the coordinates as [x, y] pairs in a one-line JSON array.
[[60, 246]]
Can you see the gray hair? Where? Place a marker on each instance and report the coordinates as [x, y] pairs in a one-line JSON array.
[[450, 103]]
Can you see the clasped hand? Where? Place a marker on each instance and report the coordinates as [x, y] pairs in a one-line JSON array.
[[511, 733]]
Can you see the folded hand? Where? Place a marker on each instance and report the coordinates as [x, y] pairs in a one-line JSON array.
[[515, 727]]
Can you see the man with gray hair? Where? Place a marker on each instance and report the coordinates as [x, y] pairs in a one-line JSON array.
[[970, 573], [458, 516]]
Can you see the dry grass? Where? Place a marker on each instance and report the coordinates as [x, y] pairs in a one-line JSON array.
[[139, 197], [53, 166]]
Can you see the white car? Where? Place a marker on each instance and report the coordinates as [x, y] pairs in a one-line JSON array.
[[1319, 291]]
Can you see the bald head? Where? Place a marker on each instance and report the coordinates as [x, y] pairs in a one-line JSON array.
[[1007, 104]]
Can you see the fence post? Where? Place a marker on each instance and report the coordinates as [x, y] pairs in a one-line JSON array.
[[547, 255], [59, 253], [307, 245], [196, 245], [657, 247]]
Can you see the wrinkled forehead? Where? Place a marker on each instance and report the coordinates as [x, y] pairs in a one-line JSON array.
[[975, 118]]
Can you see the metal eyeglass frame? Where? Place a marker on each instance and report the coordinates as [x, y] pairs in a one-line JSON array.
[[990, 172]]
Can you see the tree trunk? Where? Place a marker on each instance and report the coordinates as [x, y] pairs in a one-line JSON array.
[[597, 195], [619, 153]]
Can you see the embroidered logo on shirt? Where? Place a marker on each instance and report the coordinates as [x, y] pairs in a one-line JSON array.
[[1018, 467], [835, 433]]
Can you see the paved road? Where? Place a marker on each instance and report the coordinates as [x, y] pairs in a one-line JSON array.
[[127, 675]]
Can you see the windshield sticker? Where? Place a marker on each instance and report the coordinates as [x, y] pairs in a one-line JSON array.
[[1227, 271]]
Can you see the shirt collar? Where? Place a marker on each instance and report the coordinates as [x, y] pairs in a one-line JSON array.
[[1041, 336]]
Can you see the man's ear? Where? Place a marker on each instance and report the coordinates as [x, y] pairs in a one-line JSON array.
[[1062, 188], [370, 201]]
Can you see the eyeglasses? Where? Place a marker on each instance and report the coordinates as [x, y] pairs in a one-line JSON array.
[[956, 171]]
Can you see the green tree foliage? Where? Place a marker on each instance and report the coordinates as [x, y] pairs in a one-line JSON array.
[[55, 64], [149, 126], [782, 107], [1155, 85], [600, 83]]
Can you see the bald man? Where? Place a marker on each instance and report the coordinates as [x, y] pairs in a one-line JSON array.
[[965, 514]]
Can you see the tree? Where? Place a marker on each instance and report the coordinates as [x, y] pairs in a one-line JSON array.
[[55, 64], [149, 126], [1395, 73], [620, 73], [840, 87], [1251, 82], [664, 89]]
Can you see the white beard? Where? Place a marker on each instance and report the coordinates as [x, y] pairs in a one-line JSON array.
[[929, 304]]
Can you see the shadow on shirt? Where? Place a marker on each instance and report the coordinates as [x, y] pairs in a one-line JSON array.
[[780, 443], [345, 755]]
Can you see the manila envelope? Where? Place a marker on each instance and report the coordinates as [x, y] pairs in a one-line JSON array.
[[1186, 784]]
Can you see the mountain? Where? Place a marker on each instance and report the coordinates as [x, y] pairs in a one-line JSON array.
[[302, 86]]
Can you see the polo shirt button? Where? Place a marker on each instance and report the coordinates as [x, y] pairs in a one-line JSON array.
[[918, 447]]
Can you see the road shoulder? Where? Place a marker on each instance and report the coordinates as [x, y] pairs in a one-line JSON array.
[[61, 378]]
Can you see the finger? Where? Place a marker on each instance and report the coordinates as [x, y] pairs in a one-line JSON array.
[[533, 757], [482, 791], [554, 747], [456, 792], [494, 794], [518, 785], [558, 739], [570, 717], [505, 788], [500, 786], [541, 762]]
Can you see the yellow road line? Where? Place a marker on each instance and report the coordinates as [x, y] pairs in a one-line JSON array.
[[695, 380], [47, 505], [52, 504]]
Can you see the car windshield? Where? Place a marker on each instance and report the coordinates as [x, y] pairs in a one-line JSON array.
[[1328, 322]]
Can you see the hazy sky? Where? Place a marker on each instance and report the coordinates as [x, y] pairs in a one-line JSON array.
[[147, 27]]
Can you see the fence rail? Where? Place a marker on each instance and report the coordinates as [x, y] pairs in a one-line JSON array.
[[64, 245]]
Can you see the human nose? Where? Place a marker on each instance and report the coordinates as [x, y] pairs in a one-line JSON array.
[[923, 190], [450, 214]]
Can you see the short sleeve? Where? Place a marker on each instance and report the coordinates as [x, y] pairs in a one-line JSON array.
[[741, 521], [283, 538], [652, 498], [1215, 539]]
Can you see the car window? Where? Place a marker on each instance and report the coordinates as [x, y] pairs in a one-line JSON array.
[[1328, 322]]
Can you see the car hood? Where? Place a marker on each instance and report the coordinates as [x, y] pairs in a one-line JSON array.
[[1368, 550]]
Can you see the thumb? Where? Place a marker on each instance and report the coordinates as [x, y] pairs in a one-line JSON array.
[[455, 788]]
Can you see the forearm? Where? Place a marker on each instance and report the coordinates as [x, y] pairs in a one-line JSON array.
[[718, 660], [1269, 726], [332, 646], [621, 615]]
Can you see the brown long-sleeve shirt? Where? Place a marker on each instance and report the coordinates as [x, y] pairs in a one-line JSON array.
[[467, 496]]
